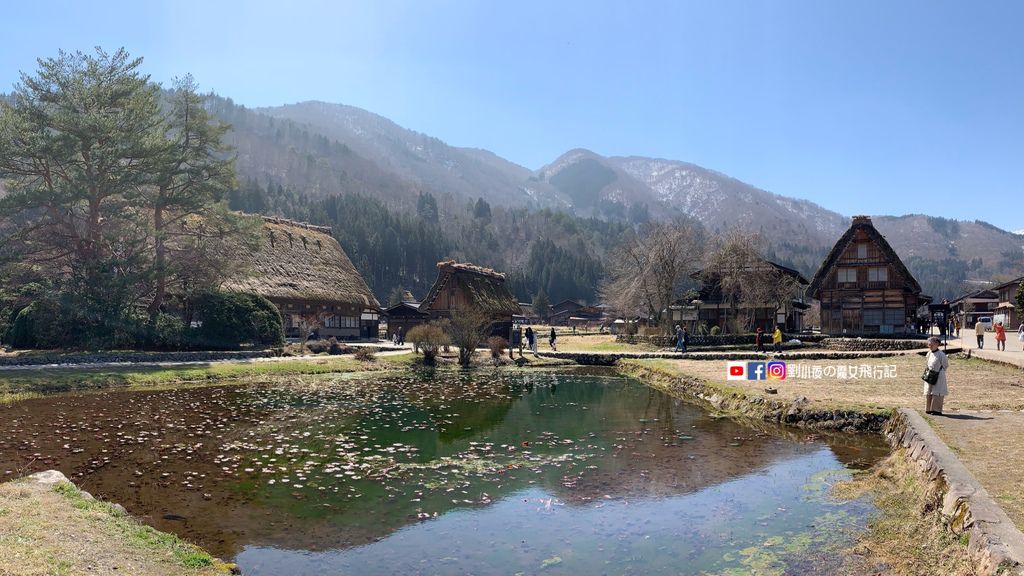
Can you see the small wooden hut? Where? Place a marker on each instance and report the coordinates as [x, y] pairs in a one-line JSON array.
[[863, 286], [404, 315], [304, 271], [462, 286]]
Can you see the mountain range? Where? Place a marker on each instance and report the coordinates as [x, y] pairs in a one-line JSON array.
[[323, 149]]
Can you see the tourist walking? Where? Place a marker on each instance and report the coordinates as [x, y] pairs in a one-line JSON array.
[[979, 331], [1000, 337], [935, 388], [956, 326], [686, 338], [531, 340], [1020, 334], [777, 339], [552, 340], [401, 336], [759, 340], [680, 346]]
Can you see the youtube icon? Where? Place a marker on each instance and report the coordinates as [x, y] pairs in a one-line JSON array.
[[737, 371]]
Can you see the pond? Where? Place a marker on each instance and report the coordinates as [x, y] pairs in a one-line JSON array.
[[491, 473]]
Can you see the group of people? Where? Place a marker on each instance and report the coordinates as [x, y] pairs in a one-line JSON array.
[[682, 338], [531, 336], [1000, 330]]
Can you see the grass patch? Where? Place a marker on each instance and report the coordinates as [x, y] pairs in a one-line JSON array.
[[138, 536], [16, 385], [907, 536]]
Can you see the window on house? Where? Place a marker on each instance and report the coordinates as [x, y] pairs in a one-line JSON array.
[[894, 316], [846, 275], [862, 251], [331, 321], [873, 317], [879, 274]]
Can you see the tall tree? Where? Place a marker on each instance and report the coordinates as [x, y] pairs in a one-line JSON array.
[[542, 305], [192, 174], [76, 147]]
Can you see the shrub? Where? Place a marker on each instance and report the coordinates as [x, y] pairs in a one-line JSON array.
[[40, 325], [429, 338], [334, 348], [231, 319], [497, 344], [632, 328], [365, 355], [167, 331], [715, 331]]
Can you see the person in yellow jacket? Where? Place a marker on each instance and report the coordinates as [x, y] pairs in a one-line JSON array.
[[777, 339]]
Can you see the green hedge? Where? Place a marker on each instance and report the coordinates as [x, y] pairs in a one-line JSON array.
[[232, 319]]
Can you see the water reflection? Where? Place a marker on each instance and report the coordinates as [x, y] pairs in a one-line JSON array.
[[436, 475]]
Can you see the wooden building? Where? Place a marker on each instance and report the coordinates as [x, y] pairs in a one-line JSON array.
[[973, 305], [1006, 311], [864, 287], [404, 315], [714, 310], [561, 312], [463, 286], [304, 271]]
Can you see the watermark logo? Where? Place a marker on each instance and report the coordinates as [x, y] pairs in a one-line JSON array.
[[757, 371], [776, 370], [737, 371]]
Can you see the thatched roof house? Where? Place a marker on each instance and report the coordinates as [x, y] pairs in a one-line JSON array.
[[304, 271], [863, 285], [462, 286]]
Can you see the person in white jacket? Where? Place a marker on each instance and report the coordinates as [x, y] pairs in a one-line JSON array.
[[936, 393]]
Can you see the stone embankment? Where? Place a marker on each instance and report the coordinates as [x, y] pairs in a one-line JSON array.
[[996, 545]]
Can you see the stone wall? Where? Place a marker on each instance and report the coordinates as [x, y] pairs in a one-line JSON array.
[[711, 341], [131, 357], [866, 344], [996, 546]]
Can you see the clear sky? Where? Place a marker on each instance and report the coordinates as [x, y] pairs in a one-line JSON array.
[[874, 107]]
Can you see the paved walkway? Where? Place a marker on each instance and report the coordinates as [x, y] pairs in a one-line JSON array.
[[1012, 355]]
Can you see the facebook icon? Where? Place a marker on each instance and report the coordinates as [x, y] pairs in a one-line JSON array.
[[755, 371]]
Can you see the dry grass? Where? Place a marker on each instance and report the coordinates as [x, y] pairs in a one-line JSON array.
[[973, 384], [567, 342], [56, 532], [908, 538], [991, 445]]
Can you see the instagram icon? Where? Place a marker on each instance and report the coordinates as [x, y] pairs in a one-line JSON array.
[[776, 370]]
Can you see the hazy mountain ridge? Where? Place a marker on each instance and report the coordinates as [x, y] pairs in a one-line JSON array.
[[324, 149]]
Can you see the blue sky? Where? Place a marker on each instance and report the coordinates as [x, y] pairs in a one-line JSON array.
[[863, 106]]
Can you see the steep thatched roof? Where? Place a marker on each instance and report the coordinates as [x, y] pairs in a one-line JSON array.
[[767, 264], [864, 224], [484, 287], [298, 261]]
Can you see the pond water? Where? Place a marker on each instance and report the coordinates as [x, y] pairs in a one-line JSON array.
[[503, 473]]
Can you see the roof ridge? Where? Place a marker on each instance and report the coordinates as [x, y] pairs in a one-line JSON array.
[[287, 222]]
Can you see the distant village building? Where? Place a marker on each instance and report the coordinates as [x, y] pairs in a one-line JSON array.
[[561, 312], [1006, 311], [973, 305], [462, 286], [714, 310], [863, 286], [404, 315], [303, 270]]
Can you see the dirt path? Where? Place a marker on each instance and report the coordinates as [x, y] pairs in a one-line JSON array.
[[991, 445]]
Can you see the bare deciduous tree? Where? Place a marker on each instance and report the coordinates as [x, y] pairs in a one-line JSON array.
[[647, 271], [747, 282]]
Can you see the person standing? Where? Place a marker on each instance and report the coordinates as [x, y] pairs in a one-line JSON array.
[[979, 331], [759, 340], [956, 326], [1000, 337], [777, 339], [680, 347], [1020, 334], [401, 336], [552, 340], [530, 338], [936, 393]]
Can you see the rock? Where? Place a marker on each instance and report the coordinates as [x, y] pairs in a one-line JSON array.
[[48, 477], [85, 495], [119, 510]]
